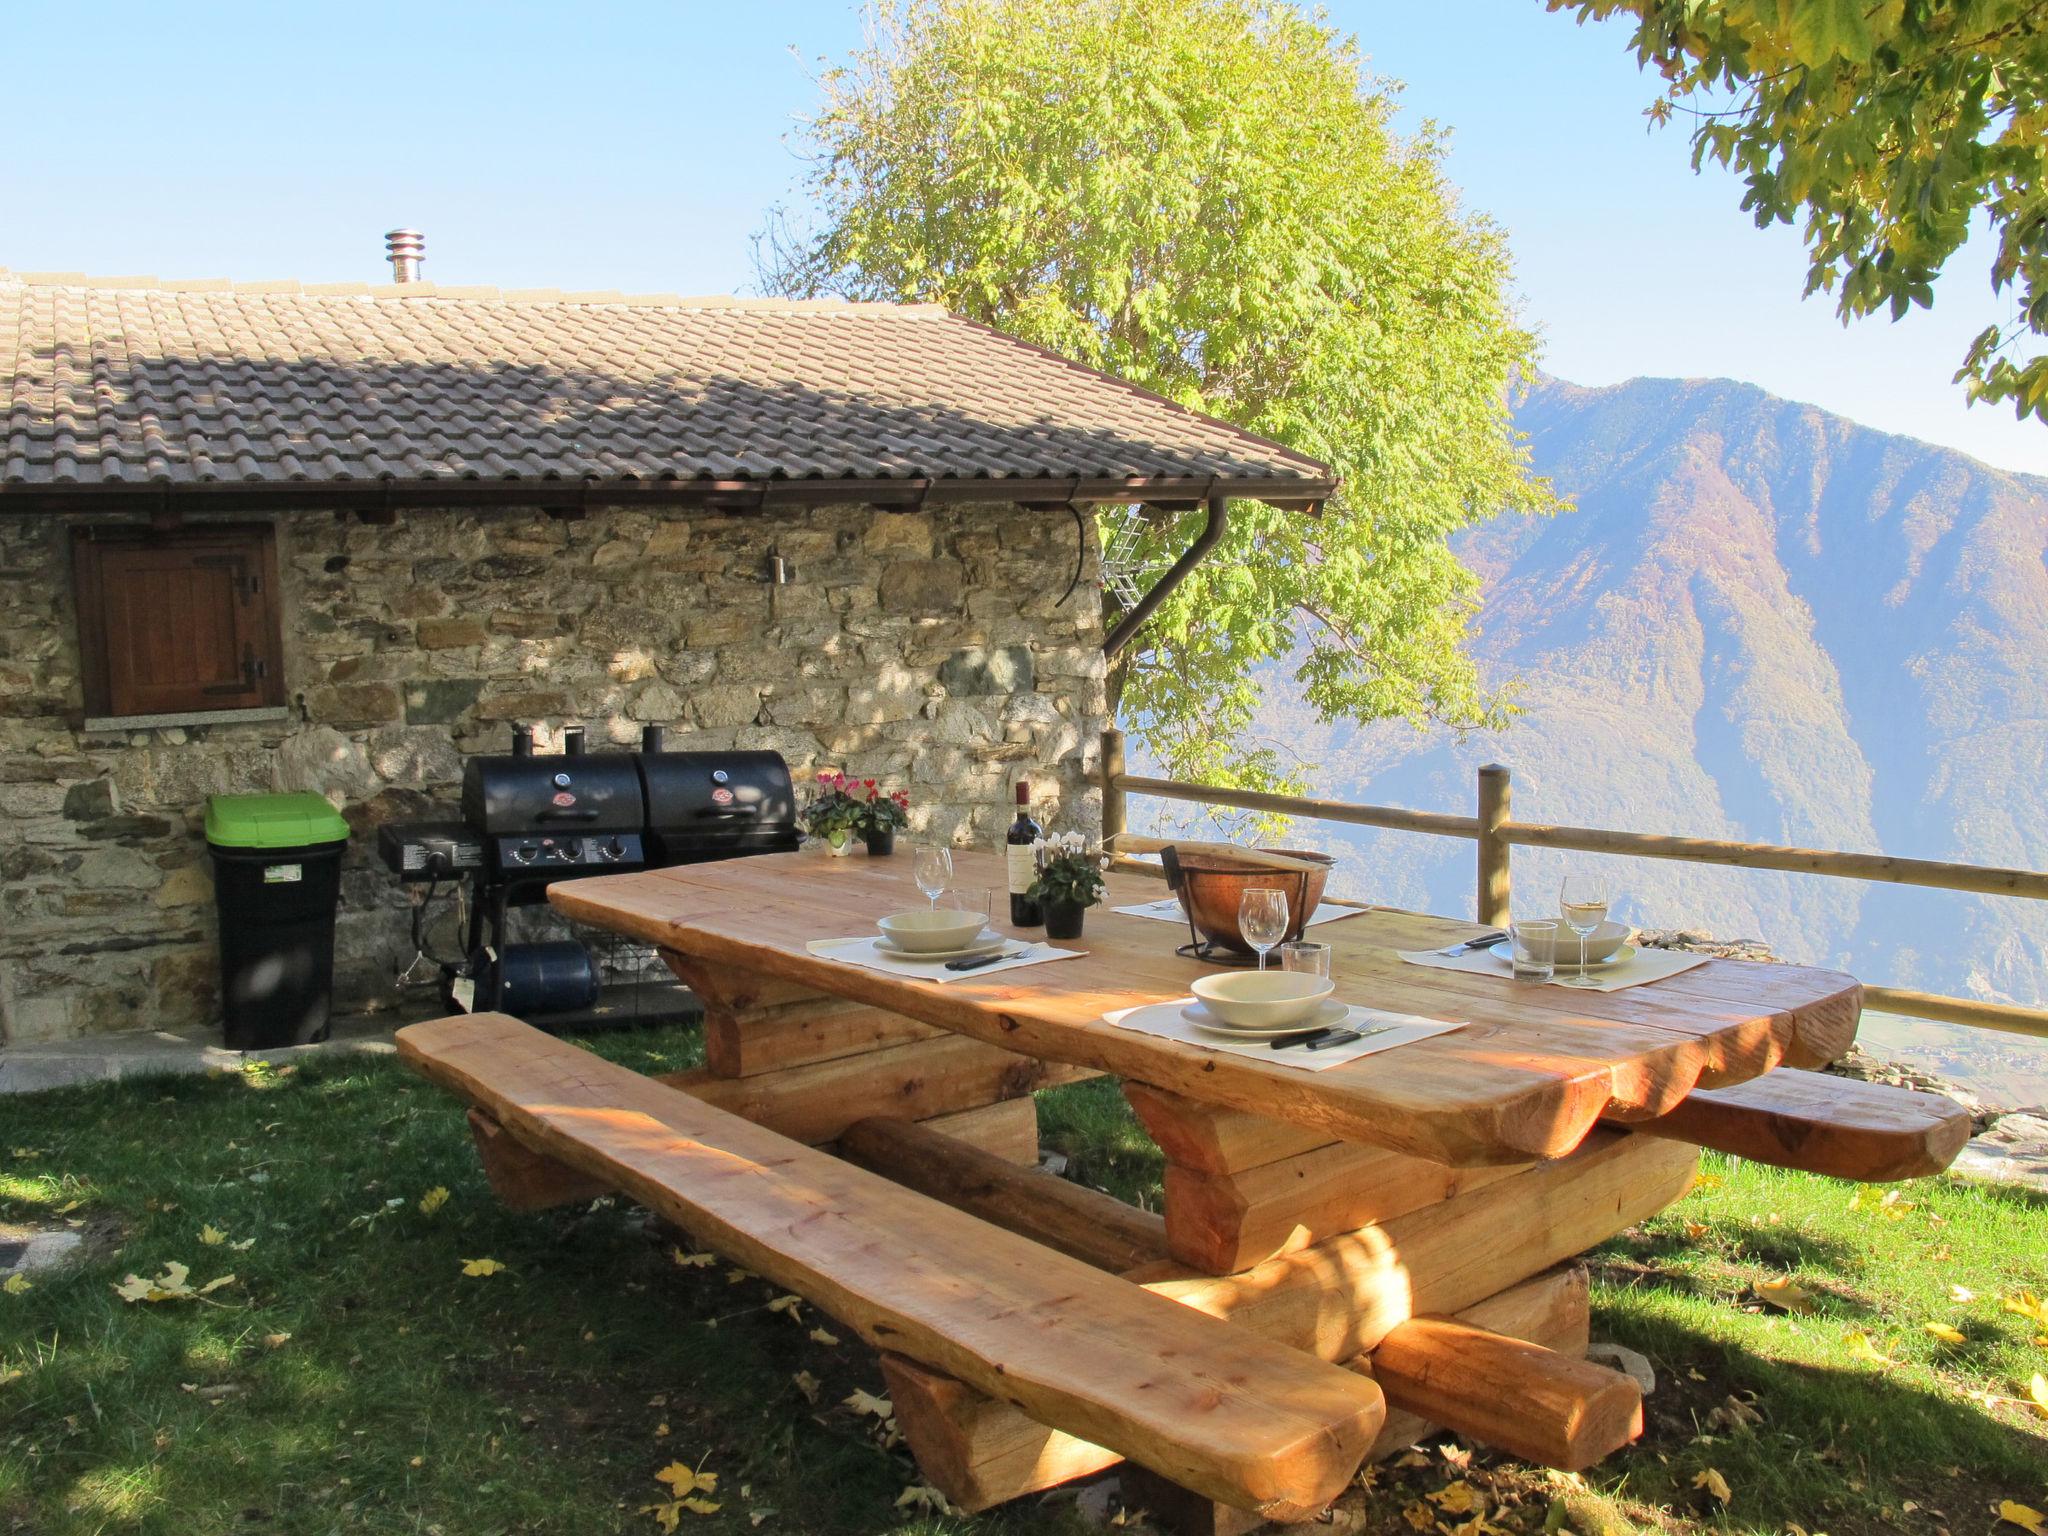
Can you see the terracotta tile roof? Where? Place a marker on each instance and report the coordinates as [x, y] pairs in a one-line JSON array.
[[129, 383]]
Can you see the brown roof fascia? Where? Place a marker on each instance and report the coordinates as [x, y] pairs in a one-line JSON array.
[[739, 495]]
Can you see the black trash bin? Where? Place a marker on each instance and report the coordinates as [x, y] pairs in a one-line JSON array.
[[277, 882]]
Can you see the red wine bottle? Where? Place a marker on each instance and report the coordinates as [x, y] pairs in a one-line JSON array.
[[1023, 864]]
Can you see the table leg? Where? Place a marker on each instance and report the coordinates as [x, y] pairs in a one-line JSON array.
[[809, 1064]]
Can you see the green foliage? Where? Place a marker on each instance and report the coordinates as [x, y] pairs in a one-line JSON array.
[[1205, 197], [1069, 871], [1887, 126]]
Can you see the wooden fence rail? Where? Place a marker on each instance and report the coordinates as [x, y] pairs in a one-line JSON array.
[[1497, 834]]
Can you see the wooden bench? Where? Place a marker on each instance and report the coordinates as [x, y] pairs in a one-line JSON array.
[[1819, 1123], [1219, 1409]]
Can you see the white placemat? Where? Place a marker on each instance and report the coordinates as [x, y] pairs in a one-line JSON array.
[[863, 952], [1169, 911], [1168, 1022], [1647, 965]]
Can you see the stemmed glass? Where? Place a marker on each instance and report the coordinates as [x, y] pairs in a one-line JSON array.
[[1262, 918], [932, 869], [1583, 901]]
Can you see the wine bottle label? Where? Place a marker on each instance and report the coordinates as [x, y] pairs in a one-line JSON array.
[[1023, 864]]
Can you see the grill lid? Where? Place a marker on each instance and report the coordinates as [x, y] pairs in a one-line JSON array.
[[717, 803], [509, 795]]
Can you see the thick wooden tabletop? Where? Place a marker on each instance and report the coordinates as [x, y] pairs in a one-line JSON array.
[[1532, 1071]]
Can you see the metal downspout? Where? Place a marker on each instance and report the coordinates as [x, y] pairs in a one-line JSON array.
[[1212, 531]]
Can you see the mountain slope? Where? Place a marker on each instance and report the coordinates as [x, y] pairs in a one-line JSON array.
[[1762, 622]]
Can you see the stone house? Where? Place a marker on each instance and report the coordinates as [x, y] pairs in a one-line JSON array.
[[266, 536]]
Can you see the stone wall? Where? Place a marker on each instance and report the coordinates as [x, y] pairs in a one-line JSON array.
[[927, 649]]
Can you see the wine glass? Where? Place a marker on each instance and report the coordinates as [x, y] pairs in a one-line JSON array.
[[932, 869], [1583, 901], [1262, 918]]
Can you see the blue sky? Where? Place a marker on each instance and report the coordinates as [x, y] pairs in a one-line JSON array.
[[636, 146]]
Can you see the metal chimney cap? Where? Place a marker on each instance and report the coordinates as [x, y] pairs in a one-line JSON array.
[[407, 248]]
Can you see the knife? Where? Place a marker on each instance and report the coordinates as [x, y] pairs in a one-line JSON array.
[[1484, 940], [976, 962]]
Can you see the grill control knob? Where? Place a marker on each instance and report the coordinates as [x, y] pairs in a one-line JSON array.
[[522, 853], [569, 850], [610, 850]]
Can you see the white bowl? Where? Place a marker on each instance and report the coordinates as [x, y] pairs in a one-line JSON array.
[[1605, 940], [929, 930], [1257, 999]]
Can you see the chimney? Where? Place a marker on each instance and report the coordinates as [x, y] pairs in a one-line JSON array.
[[408, 248]]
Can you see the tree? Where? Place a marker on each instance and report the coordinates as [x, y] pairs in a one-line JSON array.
[[1206, 198], [1889, 124]]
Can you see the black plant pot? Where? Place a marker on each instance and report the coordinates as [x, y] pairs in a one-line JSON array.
[[881, 841], [1063, 919]]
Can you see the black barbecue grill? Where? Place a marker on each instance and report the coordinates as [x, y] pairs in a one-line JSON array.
[[535, 819]]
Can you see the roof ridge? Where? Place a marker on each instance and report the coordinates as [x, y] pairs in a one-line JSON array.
[[478, 292]]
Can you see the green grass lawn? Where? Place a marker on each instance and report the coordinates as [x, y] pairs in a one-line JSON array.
[[352, 1377]]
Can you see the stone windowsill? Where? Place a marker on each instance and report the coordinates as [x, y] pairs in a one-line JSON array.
[[190, 717]]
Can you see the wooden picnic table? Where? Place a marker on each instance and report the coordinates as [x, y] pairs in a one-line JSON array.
[[1413, 1215]]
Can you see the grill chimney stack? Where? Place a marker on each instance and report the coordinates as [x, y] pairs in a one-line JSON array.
[[407, 248]]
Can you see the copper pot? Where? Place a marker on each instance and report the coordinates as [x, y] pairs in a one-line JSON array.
[[1211, 887]]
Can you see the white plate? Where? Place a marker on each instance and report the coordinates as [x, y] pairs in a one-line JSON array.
[[1505, 950], [1327, 1013], [987, 944]]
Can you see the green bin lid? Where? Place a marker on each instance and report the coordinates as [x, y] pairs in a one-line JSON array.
[[272, 821]]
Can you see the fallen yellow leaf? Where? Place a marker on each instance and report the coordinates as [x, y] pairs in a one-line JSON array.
[[1945, 1333], [1715, 1484], [433, 1200], [867, 1402], [1786, 1294], [18, 1285], [276, 1340], [807, 1384], [478, 1267], [822, 1336], [1961, 1293], [924, 1496], [2029, 1306], [1456, 1498], [174, 1284], [668, 1514], [788, 1304], [699, 1506], [692, 1260], [2037, 1390], [212, 1236], [2026, 1518], [1418, 1515], [1695, 1230], [1860, 1348], [683, 1478]]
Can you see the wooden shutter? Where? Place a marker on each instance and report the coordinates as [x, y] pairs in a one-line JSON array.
[[178, 622]]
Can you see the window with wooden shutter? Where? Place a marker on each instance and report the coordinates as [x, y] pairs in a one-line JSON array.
[[178, 622]]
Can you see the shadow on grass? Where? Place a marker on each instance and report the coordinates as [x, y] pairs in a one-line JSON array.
[[1842, 1448]]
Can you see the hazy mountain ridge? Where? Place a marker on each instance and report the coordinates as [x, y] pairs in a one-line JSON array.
[[1762, 622]]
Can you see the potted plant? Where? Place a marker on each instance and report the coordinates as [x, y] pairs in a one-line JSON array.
[[834, 813], [881, 815], [1068, 883]]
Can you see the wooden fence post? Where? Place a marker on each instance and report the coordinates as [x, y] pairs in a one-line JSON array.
[[1112, 791], [1496, 791]]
